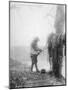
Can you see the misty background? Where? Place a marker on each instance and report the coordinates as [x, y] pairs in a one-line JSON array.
[[28, 20]]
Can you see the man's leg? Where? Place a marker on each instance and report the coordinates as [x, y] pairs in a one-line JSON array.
[[50, 58], [36, 67], [32, 58], [32, 67], [50, 61], [60, 64]]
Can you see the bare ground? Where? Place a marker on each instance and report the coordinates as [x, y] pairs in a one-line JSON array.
[[33, 79]]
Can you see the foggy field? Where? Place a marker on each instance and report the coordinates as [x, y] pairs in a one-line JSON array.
[[20, 56]]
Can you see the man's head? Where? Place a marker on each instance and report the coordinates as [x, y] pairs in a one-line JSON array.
[[36, 39]]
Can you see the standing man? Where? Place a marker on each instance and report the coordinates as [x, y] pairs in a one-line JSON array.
[[50, 54], [35, 51], [58, 55], [51, 44]]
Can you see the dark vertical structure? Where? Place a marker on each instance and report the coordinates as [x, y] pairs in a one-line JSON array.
[[60, 19], [58, 49]]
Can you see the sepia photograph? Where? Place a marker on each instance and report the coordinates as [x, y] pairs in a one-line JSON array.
[[37, 44]]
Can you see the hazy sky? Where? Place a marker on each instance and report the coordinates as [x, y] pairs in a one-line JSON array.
[[30, 20]]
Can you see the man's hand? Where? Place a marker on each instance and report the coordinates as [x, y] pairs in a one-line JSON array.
[[40, 50]]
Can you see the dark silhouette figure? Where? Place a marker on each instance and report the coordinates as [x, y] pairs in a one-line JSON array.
[[57, 56], [35, 51], [50, 54], [55, 51], [50, 49], [64, 42]]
